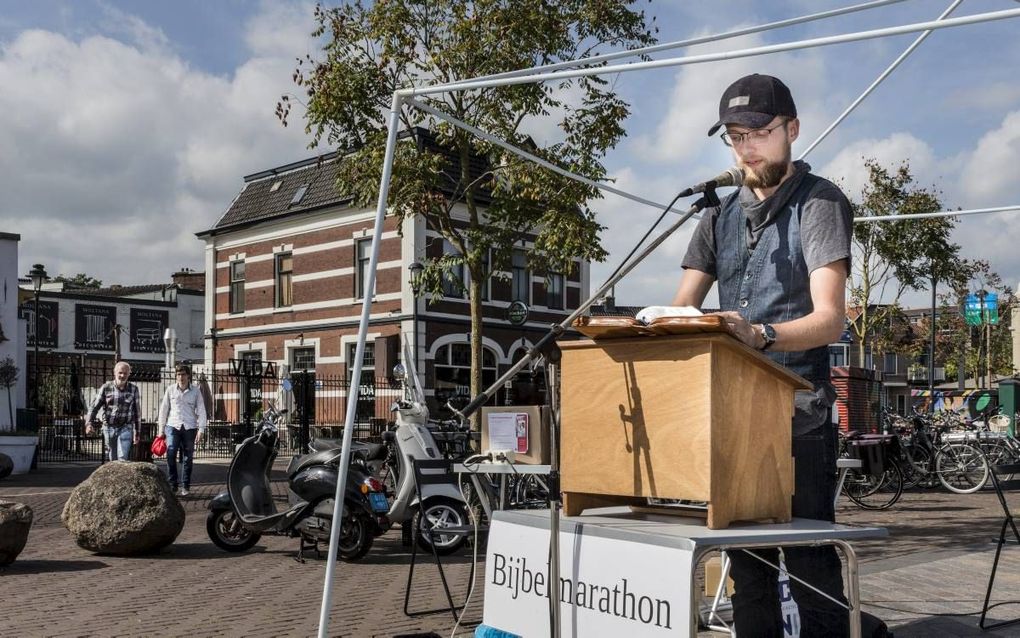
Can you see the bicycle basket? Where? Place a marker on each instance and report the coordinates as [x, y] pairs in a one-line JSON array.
[[998, 423]]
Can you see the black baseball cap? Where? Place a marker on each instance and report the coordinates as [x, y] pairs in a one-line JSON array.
[[754, 101]]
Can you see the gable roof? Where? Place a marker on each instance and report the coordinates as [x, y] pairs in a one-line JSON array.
[[259, 201]]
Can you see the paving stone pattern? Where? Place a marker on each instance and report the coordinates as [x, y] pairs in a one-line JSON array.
[[936, 561]]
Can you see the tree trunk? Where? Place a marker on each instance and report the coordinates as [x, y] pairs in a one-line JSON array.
[[475, 296]]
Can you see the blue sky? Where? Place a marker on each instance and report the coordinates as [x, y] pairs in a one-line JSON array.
[[129, 125]]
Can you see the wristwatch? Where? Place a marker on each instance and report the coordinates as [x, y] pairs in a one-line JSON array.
[[768, 334]]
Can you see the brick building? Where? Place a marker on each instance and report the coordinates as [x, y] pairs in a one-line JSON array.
[[286, 267]]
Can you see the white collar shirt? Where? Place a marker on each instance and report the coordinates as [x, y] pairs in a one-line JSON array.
[[182, 409]]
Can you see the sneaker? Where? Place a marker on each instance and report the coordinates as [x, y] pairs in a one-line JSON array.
[[185, 491]]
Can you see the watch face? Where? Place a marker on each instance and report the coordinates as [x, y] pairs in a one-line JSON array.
[[768, 333]]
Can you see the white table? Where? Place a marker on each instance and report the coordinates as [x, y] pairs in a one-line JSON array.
[[502, 470], [627, 574]]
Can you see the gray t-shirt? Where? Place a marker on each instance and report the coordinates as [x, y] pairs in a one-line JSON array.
[[826, 223]]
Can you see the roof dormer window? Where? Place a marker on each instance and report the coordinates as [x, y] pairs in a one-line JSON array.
[[299, 194]]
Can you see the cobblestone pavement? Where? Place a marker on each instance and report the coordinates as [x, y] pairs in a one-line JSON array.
[[936, 561]]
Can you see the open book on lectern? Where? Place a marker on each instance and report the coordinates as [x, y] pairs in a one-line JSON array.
[[650, 322]]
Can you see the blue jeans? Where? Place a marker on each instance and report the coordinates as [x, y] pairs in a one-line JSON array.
[[183, 441], [118, 442], [756, 605]]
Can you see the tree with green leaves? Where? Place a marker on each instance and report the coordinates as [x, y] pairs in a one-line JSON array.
[[896, 256], [81, 280], [984, 347], [373, 49]]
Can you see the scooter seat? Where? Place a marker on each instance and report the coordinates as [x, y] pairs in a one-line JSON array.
[[368, 451], [315, 458]]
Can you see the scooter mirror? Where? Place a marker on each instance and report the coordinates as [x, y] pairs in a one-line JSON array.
[[399, 372]]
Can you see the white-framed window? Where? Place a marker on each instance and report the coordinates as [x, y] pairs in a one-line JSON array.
[[284, 280], [236, 287], [453, 279], [554, 291], [302, 359], [368, 364], [453, 371], [362, 258], [520, 277], [839, 355]]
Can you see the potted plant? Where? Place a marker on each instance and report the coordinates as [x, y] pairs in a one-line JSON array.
[[17, 444]]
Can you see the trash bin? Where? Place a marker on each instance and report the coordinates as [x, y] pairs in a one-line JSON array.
[[1008, 402]]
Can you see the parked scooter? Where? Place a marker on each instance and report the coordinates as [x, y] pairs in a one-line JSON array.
[[239, 516], [412, 438]]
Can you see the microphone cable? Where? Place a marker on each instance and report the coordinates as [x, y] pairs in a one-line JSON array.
[[626, 259]]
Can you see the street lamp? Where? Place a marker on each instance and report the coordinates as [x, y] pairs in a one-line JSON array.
[[38, 276], [416, 268]]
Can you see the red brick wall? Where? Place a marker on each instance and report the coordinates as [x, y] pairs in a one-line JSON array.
[[858, 399]]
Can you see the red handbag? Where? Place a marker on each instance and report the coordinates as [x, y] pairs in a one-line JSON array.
[[158, 447]]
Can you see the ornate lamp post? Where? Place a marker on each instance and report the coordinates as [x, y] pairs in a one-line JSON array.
[[38, 276], [415, 282]]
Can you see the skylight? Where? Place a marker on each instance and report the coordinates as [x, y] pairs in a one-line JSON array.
[[299, 194], [276, 186]]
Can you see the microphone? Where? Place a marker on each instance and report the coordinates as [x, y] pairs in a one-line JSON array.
[[733, 176]]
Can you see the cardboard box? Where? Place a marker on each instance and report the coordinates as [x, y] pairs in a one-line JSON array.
[[713, 571], [535, 421]]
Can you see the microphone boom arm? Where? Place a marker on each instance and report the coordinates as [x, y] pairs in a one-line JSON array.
[[547, 342]]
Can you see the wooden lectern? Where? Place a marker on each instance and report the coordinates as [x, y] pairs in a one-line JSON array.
[[699, 417]]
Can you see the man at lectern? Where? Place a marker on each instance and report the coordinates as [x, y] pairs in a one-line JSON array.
[[779, 248]]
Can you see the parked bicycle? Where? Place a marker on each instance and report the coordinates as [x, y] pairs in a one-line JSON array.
[[878, 483], [931, 454]]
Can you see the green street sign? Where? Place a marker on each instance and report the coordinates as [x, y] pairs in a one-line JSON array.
[[517, 313], [973, 306]]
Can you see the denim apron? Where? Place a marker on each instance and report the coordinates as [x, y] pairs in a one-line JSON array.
[[771, 284]]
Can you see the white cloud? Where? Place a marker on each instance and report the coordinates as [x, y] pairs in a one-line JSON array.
[[281, 30], [990, 178], [848, 170], [118, 151]]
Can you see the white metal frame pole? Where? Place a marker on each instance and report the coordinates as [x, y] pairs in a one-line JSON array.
[[352, 394], [665, 46], [976, 18], [945, 213], [892, 67]]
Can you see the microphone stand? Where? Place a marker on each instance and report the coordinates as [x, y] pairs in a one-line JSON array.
[[547, 348]]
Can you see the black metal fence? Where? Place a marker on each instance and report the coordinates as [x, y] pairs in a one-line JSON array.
[[234, 405]]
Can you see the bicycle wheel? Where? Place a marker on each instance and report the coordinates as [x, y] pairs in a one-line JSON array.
[[915, 466], [875, 492], [531, 492], [961, 468]]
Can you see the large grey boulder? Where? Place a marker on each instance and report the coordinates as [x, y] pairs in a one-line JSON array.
[[6, 465], [15, 521], [124, 508]]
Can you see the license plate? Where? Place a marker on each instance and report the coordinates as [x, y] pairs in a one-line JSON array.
[[378, 502]]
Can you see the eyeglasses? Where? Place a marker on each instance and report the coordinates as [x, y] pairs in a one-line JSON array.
[[757, 135]]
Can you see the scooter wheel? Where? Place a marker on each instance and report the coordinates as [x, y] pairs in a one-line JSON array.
[[440, 513], [227, 533], [355, 538]]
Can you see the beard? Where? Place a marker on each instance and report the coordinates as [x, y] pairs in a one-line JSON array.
[[768, 176]]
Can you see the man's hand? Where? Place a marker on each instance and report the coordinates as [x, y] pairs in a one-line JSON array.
[[88, 428], [136, 437], [741, 329], [198, 437]]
